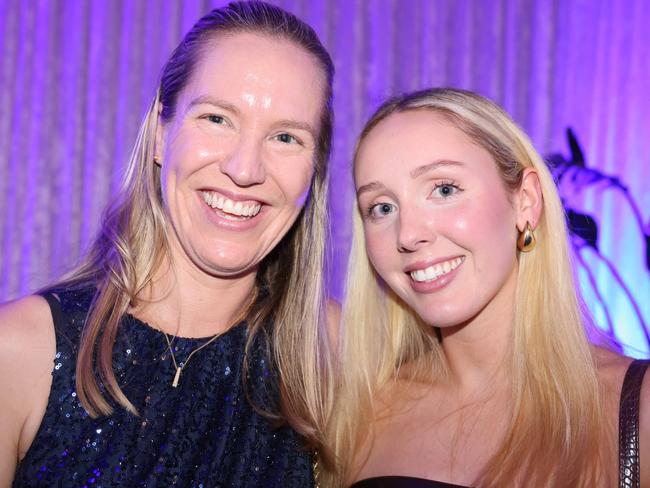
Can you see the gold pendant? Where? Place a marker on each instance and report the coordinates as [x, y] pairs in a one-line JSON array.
[[177, 377]]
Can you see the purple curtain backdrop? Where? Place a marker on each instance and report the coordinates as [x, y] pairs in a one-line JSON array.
[[76, 77]]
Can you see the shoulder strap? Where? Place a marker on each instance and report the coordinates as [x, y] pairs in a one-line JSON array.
[[66, 337], [628, 425], [55, 308]]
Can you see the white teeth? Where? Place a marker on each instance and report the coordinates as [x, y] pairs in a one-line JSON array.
[[429, 273], [436, 271], [231, 207]]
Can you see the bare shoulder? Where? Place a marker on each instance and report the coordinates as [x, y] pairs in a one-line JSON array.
[[611, 368], [27, 348], [26, 330], [24, 315]]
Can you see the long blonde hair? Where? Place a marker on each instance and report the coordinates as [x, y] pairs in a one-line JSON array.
[[132, 243], [556, 436]]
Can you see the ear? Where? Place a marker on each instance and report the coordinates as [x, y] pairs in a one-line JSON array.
[[529, 200], [160, 137]]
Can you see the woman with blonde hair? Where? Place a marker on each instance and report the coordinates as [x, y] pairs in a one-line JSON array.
[[184, 350], [465, 356]]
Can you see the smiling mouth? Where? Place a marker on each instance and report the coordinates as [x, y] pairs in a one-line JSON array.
[[436, 271], [230, 208]]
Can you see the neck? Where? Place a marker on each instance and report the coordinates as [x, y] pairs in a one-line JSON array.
[[187, 302], [477, 351]]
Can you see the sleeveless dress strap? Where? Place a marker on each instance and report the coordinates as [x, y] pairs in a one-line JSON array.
[[55, 308], [628, 425]]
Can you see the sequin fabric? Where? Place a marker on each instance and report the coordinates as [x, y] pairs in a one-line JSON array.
[[204, 433]]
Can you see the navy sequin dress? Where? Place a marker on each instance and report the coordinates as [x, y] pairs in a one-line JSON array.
[[204, 433]]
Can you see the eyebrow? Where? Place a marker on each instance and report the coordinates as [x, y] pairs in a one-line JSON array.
[[419, 171], [213, 101], [372, 186], [425, 168], [296, 124]]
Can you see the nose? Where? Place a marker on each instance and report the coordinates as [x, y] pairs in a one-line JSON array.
[[244, 165], [413, 232]]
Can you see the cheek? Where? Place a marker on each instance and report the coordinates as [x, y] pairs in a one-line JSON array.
[[294, 183], [379, 249], [189, 150], [303, 189], [489, 231], [302, 198]]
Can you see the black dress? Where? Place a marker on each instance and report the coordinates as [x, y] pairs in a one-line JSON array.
[[204, 433]]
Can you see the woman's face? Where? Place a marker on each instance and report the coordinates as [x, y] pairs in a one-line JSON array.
[[237, 157], [439, 224]]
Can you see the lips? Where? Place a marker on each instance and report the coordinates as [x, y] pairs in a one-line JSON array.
[[435, 271], [243, 209]]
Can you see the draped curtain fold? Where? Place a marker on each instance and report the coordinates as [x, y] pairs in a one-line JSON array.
[[77, 75]]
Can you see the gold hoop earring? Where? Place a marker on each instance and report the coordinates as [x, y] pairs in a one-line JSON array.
[[156, 161], [526, 241]]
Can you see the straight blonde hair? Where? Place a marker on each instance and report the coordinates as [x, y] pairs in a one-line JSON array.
[[557, 434], [132, 244]]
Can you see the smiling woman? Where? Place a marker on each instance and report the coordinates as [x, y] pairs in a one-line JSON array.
[[455, 206], [231, 146], [183, 350], [465, 357]]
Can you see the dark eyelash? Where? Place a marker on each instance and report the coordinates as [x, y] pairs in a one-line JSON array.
[[450, 183], [210, 117], [296, 139], [446, 183], [372, 206]]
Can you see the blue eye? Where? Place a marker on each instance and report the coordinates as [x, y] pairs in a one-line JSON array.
[[286, 138], [381, 209], [216, 119], [446, 190]]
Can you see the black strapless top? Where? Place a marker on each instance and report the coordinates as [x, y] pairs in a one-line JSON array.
[[628, 446], [401, 482], [204, 433]]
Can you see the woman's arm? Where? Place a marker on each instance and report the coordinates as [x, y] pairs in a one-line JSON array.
[[27, 349]]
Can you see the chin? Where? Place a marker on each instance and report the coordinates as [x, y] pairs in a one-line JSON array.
[[229, 265], [230, 271], [444, 318]]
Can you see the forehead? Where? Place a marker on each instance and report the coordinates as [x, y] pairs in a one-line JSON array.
[[259, 70], [404, 141]]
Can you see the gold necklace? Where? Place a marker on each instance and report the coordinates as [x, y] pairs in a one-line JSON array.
[[179, 369], [177, 375]]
